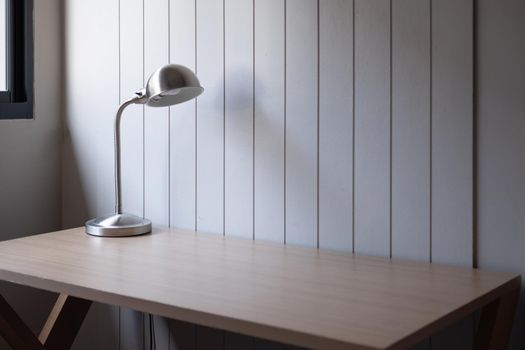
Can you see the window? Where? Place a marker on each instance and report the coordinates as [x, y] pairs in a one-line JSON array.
[[3, 48], [16, 59]]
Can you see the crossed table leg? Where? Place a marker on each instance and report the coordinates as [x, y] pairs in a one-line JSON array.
[[59, 331]]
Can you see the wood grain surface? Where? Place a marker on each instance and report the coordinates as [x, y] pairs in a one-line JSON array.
[[300, 296]]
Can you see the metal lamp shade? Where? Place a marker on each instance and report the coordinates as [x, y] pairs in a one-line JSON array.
[[172, 84]]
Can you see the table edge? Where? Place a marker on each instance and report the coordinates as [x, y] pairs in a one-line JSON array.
[[458, 314]]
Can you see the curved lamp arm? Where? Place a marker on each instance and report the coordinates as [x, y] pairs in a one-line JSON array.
[[138, 98]]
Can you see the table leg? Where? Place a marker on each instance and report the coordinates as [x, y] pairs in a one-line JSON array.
[[63, 323], [58, 333], [495, 324], [15, 332]]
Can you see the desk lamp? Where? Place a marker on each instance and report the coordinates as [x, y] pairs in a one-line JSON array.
[[168, 85]]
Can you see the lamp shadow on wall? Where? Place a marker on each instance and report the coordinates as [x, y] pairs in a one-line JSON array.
[[274, 152], [239, 90]]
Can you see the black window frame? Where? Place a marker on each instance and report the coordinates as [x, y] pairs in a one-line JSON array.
[[18, 101]]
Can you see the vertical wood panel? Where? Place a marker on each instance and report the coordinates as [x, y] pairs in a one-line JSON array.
[[132, 79], [269, 120], [452, 121], [372, 123], [452, 131], [239, 118], [161, 335], [335, 124], [156, 133], [182, 119], [411, 129], [210, 116], [156, 146], [131, 329], [301, 122]]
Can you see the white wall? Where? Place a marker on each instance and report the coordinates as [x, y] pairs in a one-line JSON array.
[[3, 53], [501, 141], [333, 124], [30, 153], [30, 148]]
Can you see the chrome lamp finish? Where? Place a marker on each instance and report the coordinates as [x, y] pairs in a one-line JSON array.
[[169, 85]]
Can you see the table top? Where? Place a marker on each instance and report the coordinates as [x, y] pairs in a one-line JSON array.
[[302, 296]]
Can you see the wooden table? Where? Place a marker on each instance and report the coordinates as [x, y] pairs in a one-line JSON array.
[[300, 296]]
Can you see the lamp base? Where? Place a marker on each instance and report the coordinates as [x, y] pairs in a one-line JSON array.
[[118, 225]]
